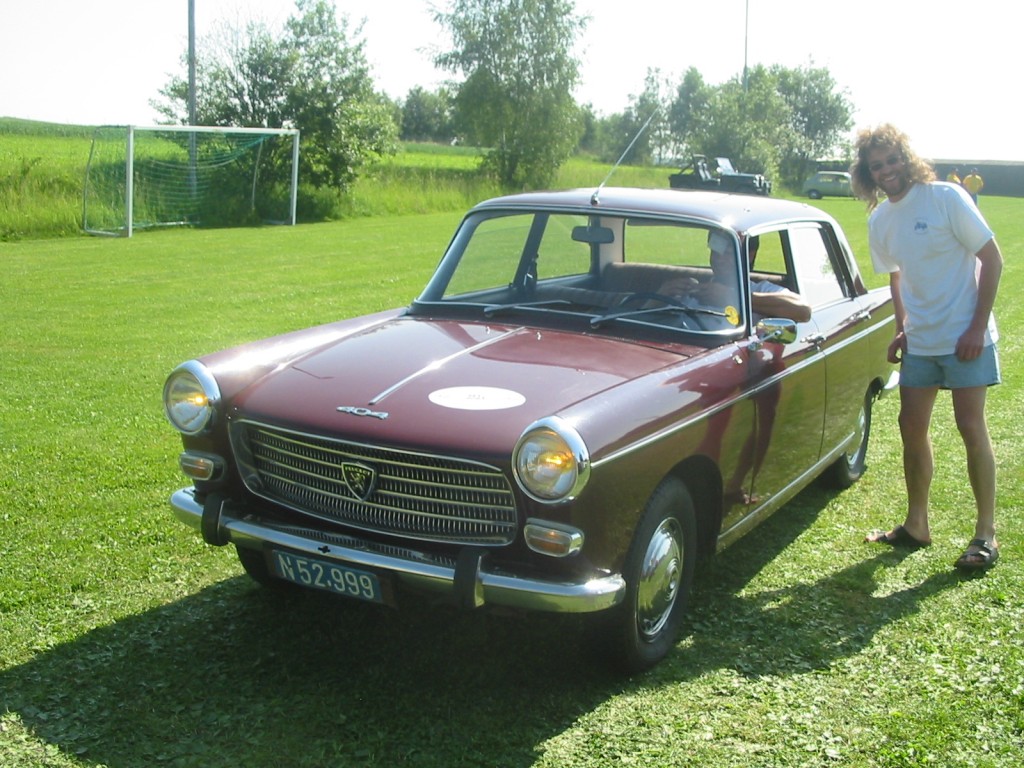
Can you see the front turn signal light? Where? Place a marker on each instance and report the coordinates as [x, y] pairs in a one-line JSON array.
[[200, 466], [552, 539]]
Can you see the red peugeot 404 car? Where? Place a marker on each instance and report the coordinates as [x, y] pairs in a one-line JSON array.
[[593, 390]]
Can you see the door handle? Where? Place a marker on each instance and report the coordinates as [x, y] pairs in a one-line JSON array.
[[817, 339]]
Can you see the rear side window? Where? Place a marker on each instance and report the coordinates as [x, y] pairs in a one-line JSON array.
[[818, 280]]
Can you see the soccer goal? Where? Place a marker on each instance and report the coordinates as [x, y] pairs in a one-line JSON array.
[[161, 176]]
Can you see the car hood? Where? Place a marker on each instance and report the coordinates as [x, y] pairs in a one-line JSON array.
[[435, 383]]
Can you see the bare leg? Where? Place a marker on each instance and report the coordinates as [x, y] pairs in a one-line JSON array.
[[916, 404], [969, 408]]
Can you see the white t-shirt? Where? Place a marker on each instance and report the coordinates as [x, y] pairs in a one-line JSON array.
[[931, 237]]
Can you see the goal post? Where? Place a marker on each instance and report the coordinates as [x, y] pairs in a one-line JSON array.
[[185, 175]]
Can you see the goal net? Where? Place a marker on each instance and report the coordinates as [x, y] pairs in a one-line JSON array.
[[139, 177]]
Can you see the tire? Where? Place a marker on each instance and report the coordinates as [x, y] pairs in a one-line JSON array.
[[815, 194], [849, 468], [659, 567]]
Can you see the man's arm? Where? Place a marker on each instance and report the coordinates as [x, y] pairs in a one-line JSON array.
[[781, 304], [898, 346], [972, 341]]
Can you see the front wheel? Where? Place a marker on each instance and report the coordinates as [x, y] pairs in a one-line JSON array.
[[659, 574]]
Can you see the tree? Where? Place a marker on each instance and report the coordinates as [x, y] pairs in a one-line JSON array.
[[778, 123], [331, 96], [748, 125], [516, 98], [590, 136], [689, 106], [641, 134], [427, 116], [241, 80], [311, 76], [820, 115]]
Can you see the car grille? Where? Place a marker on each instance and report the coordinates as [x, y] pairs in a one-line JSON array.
[[402, 493]]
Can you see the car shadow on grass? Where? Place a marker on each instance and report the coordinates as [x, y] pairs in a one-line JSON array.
[[825, 611], [237, 675]]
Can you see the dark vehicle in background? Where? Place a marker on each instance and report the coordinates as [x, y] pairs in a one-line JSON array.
[[556, 423], [828, 183], [720, 177]]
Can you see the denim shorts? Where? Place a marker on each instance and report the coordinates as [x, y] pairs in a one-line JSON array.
[[949, 372]]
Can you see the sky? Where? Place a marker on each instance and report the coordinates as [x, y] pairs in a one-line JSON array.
[[946, 72]]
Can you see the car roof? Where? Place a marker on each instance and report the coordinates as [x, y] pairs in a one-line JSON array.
[[734, 211]]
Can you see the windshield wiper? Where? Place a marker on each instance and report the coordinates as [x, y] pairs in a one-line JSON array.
[[597, 322], [493, 309]]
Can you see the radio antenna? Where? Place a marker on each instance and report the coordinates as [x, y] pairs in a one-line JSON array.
[[594, 198]]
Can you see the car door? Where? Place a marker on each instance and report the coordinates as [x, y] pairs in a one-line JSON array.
[[787, 387], [840, 325]]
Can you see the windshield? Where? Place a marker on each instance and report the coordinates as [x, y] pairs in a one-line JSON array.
[[611, 269]]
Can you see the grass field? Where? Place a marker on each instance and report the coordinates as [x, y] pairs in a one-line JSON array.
[[126, 642]]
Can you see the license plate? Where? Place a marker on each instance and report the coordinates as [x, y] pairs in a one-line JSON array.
[[328, 576]]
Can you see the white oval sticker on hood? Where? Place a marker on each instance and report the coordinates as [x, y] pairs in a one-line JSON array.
[[477, 398]]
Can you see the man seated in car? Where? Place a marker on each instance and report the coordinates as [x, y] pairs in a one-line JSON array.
[[767, 299]]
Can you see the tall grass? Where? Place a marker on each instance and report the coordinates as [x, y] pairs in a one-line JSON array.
[[42, 171], [425, 182]]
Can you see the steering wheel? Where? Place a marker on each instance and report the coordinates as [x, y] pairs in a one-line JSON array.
[[690, 320], [650, 296]]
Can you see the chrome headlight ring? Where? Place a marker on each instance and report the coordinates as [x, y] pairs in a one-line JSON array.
[[551, 462], [191, 398]]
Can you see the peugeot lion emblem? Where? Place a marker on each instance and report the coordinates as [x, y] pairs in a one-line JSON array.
[[360, 479]]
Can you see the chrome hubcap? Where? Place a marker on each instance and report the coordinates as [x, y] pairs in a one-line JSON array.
[[660, 574], [855, 456]]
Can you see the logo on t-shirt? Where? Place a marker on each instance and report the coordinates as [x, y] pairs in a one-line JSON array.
[[920, 227]]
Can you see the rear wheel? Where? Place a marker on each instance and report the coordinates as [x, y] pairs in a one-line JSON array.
[[848, 468], [659, 574]]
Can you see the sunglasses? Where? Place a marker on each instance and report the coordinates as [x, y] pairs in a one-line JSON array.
[[889, 161]]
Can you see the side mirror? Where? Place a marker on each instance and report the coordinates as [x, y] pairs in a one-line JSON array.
[[776, 329]]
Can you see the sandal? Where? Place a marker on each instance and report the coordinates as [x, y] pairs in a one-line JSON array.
[[897, 537], [984, 556]]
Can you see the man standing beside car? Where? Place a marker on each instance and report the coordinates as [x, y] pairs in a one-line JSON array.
[[944, 266]]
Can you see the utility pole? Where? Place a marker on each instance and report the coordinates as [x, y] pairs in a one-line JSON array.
[[192, 94], [191, 62], [746, 36]]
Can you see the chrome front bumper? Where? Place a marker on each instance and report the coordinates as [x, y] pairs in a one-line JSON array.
[[469, 580]]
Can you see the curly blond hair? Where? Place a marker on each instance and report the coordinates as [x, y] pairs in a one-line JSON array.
[[889, 137]]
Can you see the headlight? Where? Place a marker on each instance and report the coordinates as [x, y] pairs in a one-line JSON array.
[[190, 397], [551, 461]]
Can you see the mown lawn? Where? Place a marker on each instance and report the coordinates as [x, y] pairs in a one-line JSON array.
[[124, 641]]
